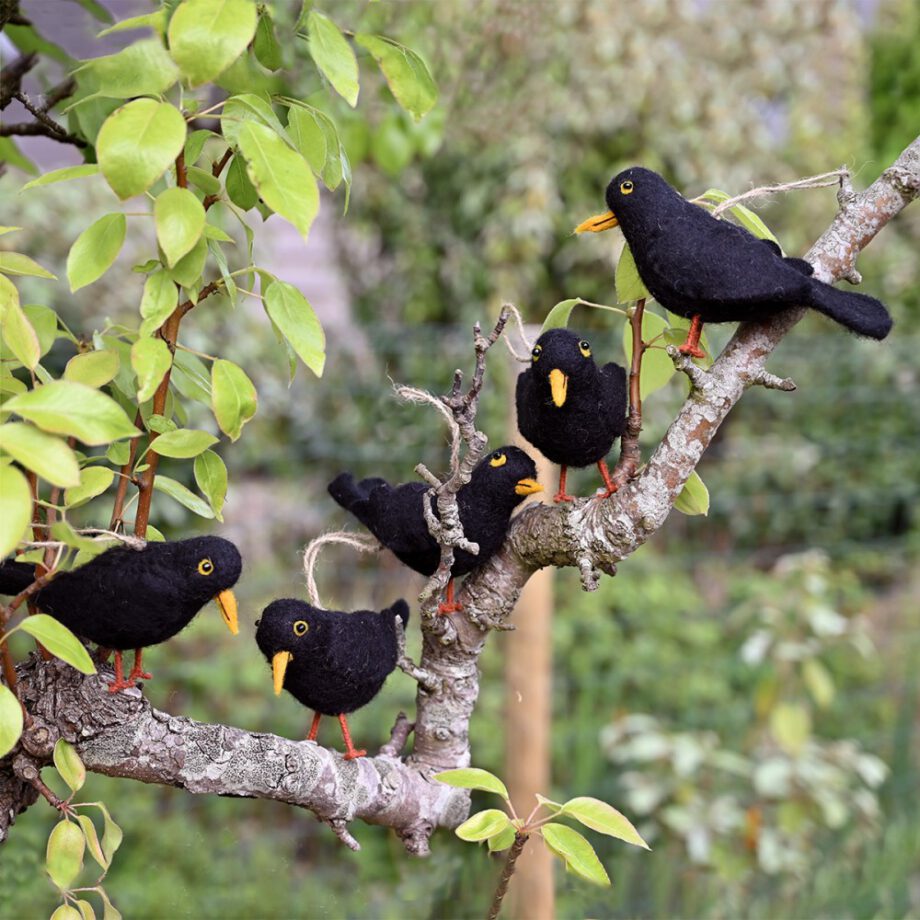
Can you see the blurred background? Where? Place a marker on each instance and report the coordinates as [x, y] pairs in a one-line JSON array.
[[746, 688]]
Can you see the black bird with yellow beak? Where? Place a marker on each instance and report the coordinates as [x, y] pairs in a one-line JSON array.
[[713, 271], [331, 661], [570, 409], [130, 598], [395, 514]]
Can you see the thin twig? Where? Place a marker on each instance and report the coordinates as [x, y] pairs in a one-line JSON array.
[[513, 853], [630, 453], [399, 735]]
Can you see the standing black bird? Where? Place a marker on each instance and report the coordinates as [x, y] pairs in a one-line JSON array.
[[331, 661], [131, 598], [569, 408], [395, 516], [712, 271]]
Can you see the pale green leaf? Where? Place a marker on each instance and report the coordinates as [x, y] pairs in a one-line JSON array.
[[159, 299], [265, 44], [64, 858], [59, 640], [92, 840], [657, 366], [94, 480], [15, 508], [94, 368], [150, 359], [746, 217], [604, 818], [111, 834], [63, 175], [183, 443], [95, 249], [309, 136], [62, 531], [790, 725], [233, 397], [155, 21], [66, 912], [138, 143], [188, 269], [333, 56], [18, 333], [204, 179], [64, 407], [48, 457], [817, 679], [502, 840], [68, 764], [575, 851], [215, 233], [290, 311], [207, 36], [483, 825], [211, 478], [473, 778], [4, 229], [629, 285], [85, 908], [110, 912], [406, 73], [180, 221], [333, 167], [558, 317], [45, 323], [143, 68], [240, 189], [10, 720], [694, 497], [282, 177], [16, 263], [183, 495], [246, 107]]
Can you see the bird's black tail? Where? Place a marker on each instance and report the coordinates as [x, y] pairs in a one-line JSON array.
[[353, 496], [862, 314], [400, 609], [15, 577]]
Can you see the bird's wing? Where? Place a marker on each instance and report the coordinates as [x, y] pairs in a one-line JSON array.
[[613, 379], [363, 643], [394, 515]]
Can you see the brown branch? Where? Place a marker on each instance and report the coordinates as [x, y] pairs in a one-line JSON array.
[[508, 870], [118, 509], [11, 77], [217, 167], [630, 452]]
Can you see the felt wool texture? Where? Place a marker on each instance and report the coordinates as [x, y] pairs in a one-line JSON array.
[[695, 265], [131, 598], [340, 661], [582, 430], [395, 516]]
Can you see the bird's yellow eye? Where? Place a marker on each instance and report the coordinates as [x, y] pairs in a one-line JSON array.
[[537, 351], [498, 460], [626, 187], [585, 348], [300, 627], [205, 567]]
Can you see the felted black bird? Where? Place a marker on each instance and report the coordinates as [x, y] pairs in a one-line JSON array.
[[132, 598], [569, 408], [395, 516], [712, 271], [331, 661]]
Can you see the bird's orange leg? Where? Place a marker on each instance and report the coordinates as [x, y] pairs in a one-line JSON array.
[[119, 683], [608, 482], [350, 752], [562, 495], [136, 672], [449, 605], [692, 345], [314, 728]]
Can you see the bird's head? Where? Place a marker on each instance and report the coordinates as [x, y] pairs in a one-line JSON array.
[[636, 197], [559, 359], [210, 567], [287, 630], [507, 475]]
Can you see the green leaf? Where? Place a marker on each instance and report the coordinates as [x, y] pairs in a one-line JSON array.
[[95, 249], [96, 10], [483, 825], [16, 328], [15, 508], [63, 175], [151, 359], [600, 816], [144, 68], [111, 833], [790, 725], [657, 366], [27, 39], [817, 679], [138, 143], [294, 317], [84, 907], [282, 176], [265, 44], [188, 269], [244, 108], [239, 189], [215, 233], [62, 531], [64, 407], [406, 73], [45, 323], [694, 497], [746, 217], [59, 640], [10, 720], [191, 377], [94, 480], [64, 858], [16, 263], [207, 36], [66, 912], [333, 56], [203, 179], [11, 154], [92, 840], [94, 368], [68, 764], [183, 495], [577, 854], [233, 397], [473, 778], [211, 477], [183, 443], [558, 317], [155, 21], [628, 283], [160, 298], [180, 221], [45, 455], [309, 136], [502, 840], [109, 911]]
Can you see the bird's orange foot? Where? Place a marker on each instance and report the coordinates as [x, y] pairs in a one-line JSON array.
[[121, 684], [140, 675], [563, 496], [693, 350], [610, 490], [449, 607], [353, 754]]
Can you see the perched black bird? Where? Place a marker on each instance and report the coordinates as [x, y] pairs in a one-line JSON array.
[[712, 271], [131, 598], [331, 661], [568, 407], [395, 515]]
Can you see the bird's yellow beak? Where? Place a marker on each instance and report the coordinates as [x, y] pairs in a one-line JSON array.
[[226, 602], [559, 384], [598, 223], [527, 487], [279, 667]]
